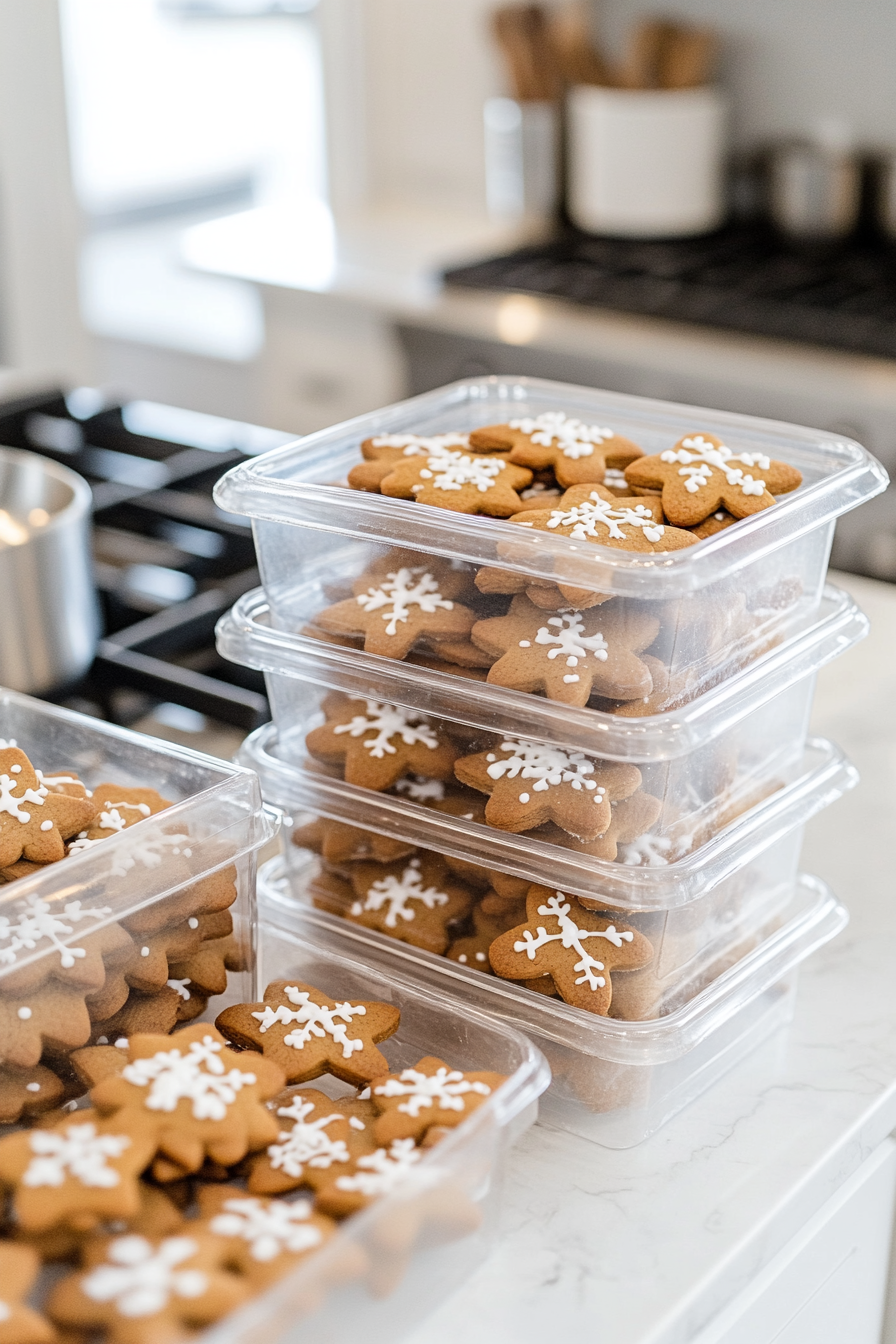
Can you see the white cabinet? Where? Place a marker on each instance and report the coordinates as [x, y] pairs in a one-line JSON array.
[[829, 1284]]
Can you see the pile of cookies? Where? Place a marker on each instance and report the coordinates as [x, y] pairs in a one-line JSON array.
[[198, 1174], [69, 977]]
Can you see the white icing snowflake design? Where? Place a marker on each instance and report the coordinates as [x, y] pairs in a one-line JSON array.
[[707, 456], [453, 471], [444, 1090], [418, 445], [307, 1144], [570, 935], [270, 1229], [79, 1151], [566, 633], [11, 802], [584, 519], [141, 1279], [389, 721], [379, 1172], [314, 1019], [401, 590], [421, 790], [37, 922], [395, 892], [199, 1076], [574, 439], [648, 851], [548, 766]]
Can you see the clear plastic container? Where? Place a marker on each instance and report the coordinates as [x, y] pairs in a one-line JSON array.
[[819, 776], [393, 1263], [714, 606], [195, 859], [613, 1082]]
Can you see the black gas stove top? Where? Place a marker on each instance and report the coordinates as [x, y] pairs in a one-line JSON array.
[[741, 278], [168, 561]]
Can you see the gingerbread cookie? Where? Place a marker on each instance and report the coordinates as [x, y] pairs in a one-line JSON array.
[[141, 1290], [549, 596], [716, 522], [472, 949], [83, 1170], [263, 1238], [118, 808], [577, 452], [531, 783], [701, 475], [402, 606], [52, 1018], [28, 1092], [19, 1323], [430, 1093], [590, 513], [307, 1033], [380, 743], [576, 947], [85, 962], [383, 450], [569, 654], [34, 823], [463, 482], [414, 900], [200, 1097], [374, 1175], [338, 842], [316, 1138]]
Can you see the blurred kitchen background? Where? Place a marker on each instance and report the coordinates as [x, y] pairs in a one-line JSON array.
[[227, 222]]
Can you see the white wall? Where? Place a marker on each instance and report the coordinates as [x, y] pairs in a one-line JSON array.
[[790, 62]]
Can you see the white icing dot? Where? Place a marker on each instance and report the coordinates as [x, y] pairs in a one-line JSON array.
[[525, 644], [24, 1014], [491, 756], [570, 677], [46, 825], [463, 958], [480, 956], [193, 923], [188, 853], [355, 1123], [122, 1043], [524, 797], [16, 769], [32, 1087], [144, 951], [102, 1040]]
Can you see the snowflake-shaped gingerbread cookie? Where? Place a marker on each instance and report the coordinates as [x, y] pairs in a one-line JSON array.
[[430, 1093], [578, 948], [464, 482], [570, 655], [577, 452], [34, 822], [316, 1139], [702, 475], [395, 609], [306, 1033], [267, 1238], [374, 1175], [383, 451], [415, 900], [531, 783], [380, 743]]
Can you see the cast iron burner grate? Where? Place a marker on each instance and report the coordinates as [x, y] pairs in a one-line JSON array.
[[168, 561], [742, 278]]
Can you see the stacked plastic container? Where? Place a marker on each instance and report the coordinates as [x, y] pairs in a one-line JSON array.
[[706, 866]]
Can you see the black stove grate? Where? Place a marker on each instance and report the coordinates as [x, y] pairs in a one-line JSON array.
[[742, 278]]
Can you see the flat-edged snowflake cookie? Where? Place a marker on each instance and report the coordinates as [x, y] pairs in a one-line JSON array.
[[338, 842], [577, 452], [118, 808], [578, 948], [381, 452], [263, 1238], [585, 513], [141, 1290], [701, 475], [531, 783], [53, 1019], [78, 951], [306, 1033], [394, 610], [464, 482], [83, 1170], [35, 823], [381, 743], [631, 817], [376, 1174], [430, 1093], [414, 900], [316, 1138], [568, 655], [19, 1323], [202, 1098], [210, 894]]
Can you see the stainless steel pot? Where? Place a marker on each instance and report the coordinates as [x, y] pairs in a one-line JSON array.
[[814, 192], [49, 618]]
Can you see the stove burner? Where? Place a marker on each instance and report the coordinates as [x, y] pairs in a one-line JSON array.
[[745, 279]]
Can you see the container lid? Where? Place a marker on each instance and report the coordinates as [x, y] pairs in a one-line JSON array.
[[823, 776], [811, 918], [245, 635], [304, 484]]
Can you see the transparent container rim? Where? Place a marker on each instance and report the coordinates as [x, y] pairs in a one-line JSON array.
[[818, 918], [243, 636], [822, 782], [271, 488]]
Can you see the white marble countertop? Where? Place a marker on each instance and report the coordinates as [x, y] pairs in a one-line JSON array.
[[646, 1246]]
